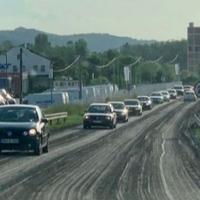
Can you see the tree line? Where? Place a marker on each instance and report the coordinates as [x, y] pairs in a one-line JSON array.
[[145, 71]]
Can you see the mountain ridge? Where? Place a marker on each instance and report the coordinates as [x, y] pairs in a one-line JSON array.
[[98, 42]]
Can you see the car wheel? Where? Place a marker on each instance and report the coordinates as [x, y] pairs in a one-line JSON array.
[[46, 148], [84, 126], [38, 149], [112, 126]]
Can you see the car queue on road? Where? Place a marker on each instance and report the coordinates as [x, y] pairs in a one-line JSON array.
[[120, 111], [24, 127]]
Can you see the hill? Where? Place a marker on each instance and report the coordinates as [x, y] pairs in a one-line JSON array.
[[96, 42]]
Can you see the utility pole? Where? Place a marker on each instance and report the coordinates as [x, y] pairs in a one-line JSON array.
[[80, 80], [6, 71], [21, 77]]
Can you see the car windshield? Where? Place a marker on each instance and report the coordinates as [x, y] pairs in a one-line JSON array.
[[143, 98], [178, 87], [165, 93], [18, 114], [131, 102], [99, 109], [156, 94], [118, 105]]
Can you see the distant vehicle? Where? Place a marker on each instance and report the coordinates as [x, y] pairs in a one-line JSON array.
[[121, 110], [134, 106], [23, 127], [157, 97], [172, 93], [189, 96], [145, 101], [100, 114], [45, 99], [166, 95], [188, 88], [179, 89]]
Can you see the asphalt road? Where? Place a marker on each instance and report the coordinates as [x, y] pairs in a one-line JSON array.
[[144, 159]]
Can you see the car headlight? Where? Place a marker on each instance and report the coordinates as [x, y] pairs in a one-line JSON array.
[[124, 112], [32, 132], [108, 117], [86, 116]]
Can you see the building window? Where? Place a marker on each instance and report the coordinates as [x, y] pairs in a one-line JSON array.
[[35, 68], [24, 68], [15, 68], [190, 48], [43, 68], [197, 49]]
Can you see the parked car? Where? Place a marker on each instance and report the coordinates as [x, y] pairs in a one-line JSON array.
[[145, 101], [121, 110], [157, 97], [179, 89], [100, 114], [172, 93], [23, 127], [189, 96], [166, 95], [134, 106]]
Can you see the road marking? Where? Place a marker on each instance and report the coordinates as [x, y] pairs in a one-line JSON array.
[[169, 195]]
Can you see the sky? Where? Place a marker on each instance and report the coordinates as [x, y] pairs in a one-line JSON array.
[[141, 19]]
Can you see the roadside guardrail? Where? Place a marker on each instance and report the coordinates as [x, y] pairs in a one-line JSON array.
[[56, 116]]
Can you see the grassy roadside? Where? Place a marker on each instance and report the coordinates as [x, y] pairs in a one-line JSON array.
[[197, 133], [75, 116]]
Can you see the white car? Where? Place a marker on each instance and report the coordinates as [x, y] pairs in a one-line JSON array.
[[145, 102], [179, 89], [157, 97], [166, 95], [172, 93], [134, 106], [100, 114]]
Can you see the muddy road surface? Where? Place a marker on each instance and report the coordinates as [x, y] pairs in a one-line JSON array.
[[144, 159]]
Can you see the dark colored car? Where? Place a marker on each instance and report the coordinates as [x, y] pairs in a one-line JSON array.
[[100, 114], [23, 127], [121, 110]]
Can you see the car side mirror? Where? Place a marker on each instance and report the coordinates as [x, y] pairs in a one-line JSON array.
[[44, 120]]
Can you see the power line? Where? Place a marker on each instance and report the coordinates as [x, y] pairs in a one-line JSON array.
[[66, 68]]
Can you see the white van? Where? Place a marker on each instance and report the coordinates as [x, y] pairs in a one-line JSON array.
[[44, 99]]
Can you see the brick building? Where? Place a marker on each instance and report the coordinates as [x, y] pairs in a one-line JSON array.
[[193, 49]]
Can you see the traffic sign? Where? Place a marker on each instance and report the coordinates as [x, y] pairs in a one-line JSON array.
[[197, 89]]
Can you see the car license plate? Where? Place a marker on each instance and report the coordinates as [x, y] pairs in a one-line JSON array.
[[97, 121], [9, 141]]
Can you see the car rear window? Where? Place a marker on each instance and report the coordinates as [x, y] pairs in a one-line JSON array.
[[143, 99], [131, 102], [99, 109], [118, 105]]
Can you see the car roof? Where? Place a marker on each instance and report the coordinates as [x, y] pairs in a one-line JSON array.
[[100, 104], [20, 106], [120, 102], [131, 100], [142, 97]]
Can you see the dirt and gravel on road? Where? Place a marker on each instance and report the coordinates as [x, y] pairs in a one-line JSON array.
[[145, 159]]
